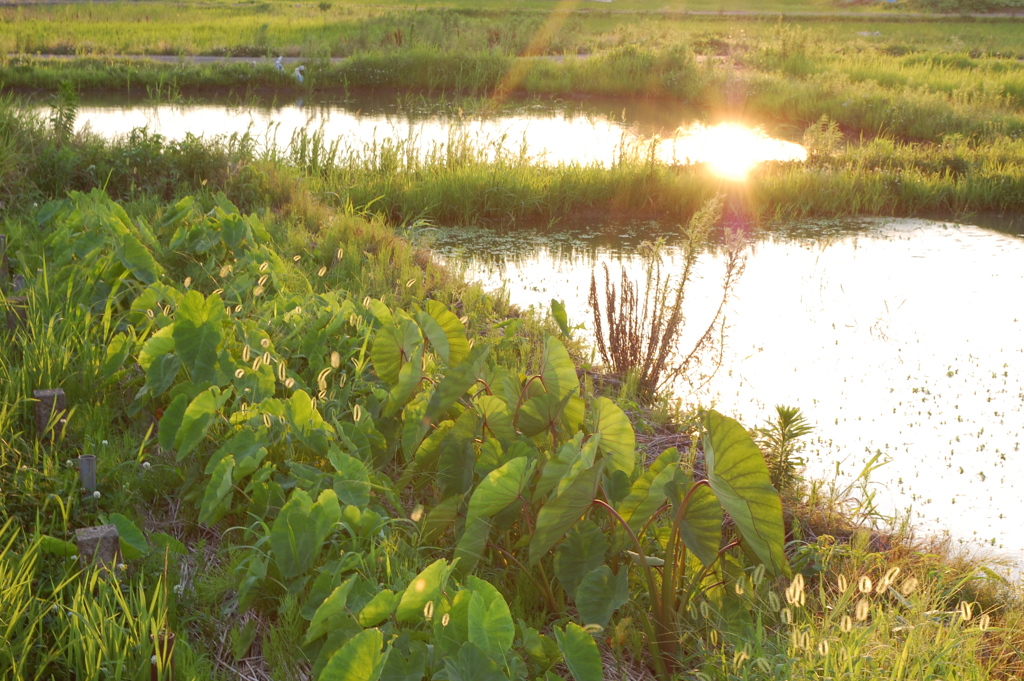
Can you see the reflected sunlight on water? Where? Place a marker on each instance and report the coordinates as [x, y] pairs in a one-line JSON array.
[[545, 135], [901, 337]]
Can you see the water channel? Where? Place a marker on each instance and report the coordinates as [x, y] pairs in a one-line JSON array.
[[895, 337]]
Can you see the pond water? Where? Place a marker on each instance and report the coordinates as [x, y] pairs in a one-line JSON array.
[[597, 131], [895, 337]]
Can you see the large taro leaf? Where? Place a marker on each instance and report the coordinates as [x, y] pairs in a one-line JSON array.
[[701, 525], [557, 372], [300, 529], [600, 594], [445, 332], [457, 382], [500, 489], [497, 417], [197, 334], [393, 346], [196, 419], [583, 550], [739, 478], [618, 441], [456, 455], [329, 613], [424, 588], [580, 653], [133, 541], [472, 664], [137, 258], [490, 621], [559, 515], [648, 492], [361, 659], [546, 412], [409, 377]]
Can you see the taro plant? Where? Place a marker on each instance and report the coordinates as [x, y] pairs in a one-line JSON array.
[[523, 465]]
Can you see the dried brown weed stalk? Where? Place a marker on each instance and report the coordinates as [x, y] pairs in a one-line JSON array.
[[639, 328]]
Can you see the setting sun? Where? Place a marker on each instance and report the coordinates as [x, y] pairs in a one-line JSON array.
[[731, 150]]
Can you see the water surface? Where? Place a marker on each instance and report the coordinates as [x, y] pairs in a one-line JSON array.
[[899, 338]]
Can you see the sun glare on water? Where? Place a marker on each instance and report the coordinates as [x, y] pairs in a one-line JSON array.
[[731, 150]]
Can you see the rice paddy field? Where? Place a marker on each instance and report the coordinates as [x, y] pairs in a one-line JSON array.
[[322, 452]]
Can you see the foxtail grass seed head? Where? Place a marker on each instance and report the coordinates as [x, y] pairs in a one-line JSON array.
[[984, 621], [738, 587], [786, 615], [298, 309], [764, 665], [335, 359], [217, 292], [366, 301], [846, 624], [150, 314], [239, 373], [773, 601], [282, 371], [297, 258], [225, 271], [417, 513], [739, 657], [266, 358], [340, 254], [758, 575], [409, 283], [246, 354], [323, 374], [464, 319], [445, 618], [264, 266], [322, 394], [341, 381], [353, 320], [262, 280], [265, 343], [864, 584], [428, 611], [841, 584], [966, 611], [321, 272], [909, 585], [823, 648], [238, 308], [887, 580], [258, 291], [266, 420], [714, 637], [289, 383], [188, 281], [257, 363], [863, 608], [357, 413], [705, 609]]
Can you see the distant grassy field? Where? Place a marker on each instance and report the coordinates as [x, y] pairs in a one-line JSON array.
[[530, 27]]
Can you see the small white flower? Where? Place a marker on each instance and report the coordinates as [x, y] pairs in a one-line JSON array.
[[145, 465], [69, 463], [179, 589], [104, 443], [152, 660], [96, 494], [122, 566]]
